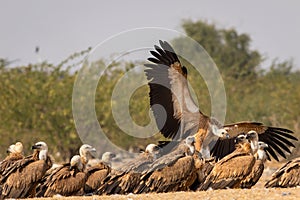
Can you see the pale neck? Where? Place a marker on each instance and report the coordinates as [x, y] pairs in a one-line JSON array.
[[254, 146], [43, 154]]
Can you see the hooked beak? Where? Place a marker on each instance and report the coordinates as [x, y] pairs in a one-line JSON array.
[[34, 147], [265, 145], [112, 155], [227, 135]]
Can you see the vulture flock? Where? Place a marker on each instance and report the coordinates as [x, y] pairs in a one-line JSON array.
[[203, 153]]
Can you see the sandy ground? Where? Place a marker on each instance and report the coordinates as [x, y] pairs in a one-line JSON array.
[[258, 192]]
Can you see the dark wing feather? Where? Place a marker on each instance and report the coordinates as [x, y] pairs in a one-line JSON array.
[[223, 148], [277, 138], [169, 88]]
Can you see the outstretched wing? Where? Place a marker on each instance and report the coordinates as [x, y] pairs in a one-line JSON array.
[[174, 110], [278, 139]]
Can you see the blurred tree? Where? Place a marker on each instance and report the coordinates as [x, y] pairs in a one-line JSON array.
[[36, 100]]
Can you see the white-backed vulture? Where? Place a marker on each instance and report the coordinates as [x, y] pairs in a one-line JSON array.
[[169, 92], [172, 172], [67, 180], [258, 167], [21, 179], [233, 168], [125, 178], [286, 176]]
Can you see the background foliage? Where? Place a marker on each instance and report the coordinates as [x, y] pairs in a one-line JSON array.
[[36, 100]]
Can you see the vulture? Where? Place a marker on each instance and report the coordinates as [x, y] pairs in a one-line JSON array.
[[86, 153], [258, 167], [233, 168], [66, 180], [177, 116], [20, 179], [203, 168], [174, 171], [124, 179], [15, 153], [107, 158], [97, 171], [286, 176]]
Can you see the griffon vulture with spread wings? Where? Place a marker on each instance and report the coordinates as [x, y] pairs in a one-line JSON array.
[[177, 115]]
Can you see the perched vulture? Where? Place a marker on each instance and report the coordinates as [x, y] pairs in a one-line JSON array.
[[169, 93], [86, 153], [67, 180], [97, 171], [203, 168], [15, 153], [124, 179], [233, 168], [172, 172], [107, 158], [286, 176], [258, 167], [15, 148], [21, 179]]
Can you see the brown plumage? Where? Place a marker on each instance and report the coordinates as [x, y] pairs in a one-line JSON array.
[[258, 167], [203, 168], [124, 179], [95, 176], [15, 153], [167, 80], [21, 179], [86, 153], [172, 172], [67, 180], [233, 168], [73, 172], [286, 176]]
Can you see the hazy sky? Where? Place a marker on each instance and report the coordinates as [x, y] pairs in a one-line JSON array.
[[60, 28]]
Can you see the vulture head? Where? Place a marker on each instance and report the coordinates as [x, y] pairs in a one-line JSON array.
[[242, 143], [87, 152], [76, 163], [153, 150], [262, 145], [18, 147], [42, 148], [261, 154], [11, 149], [240, 139], [219, 132], [190, 142], [108, 156]]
